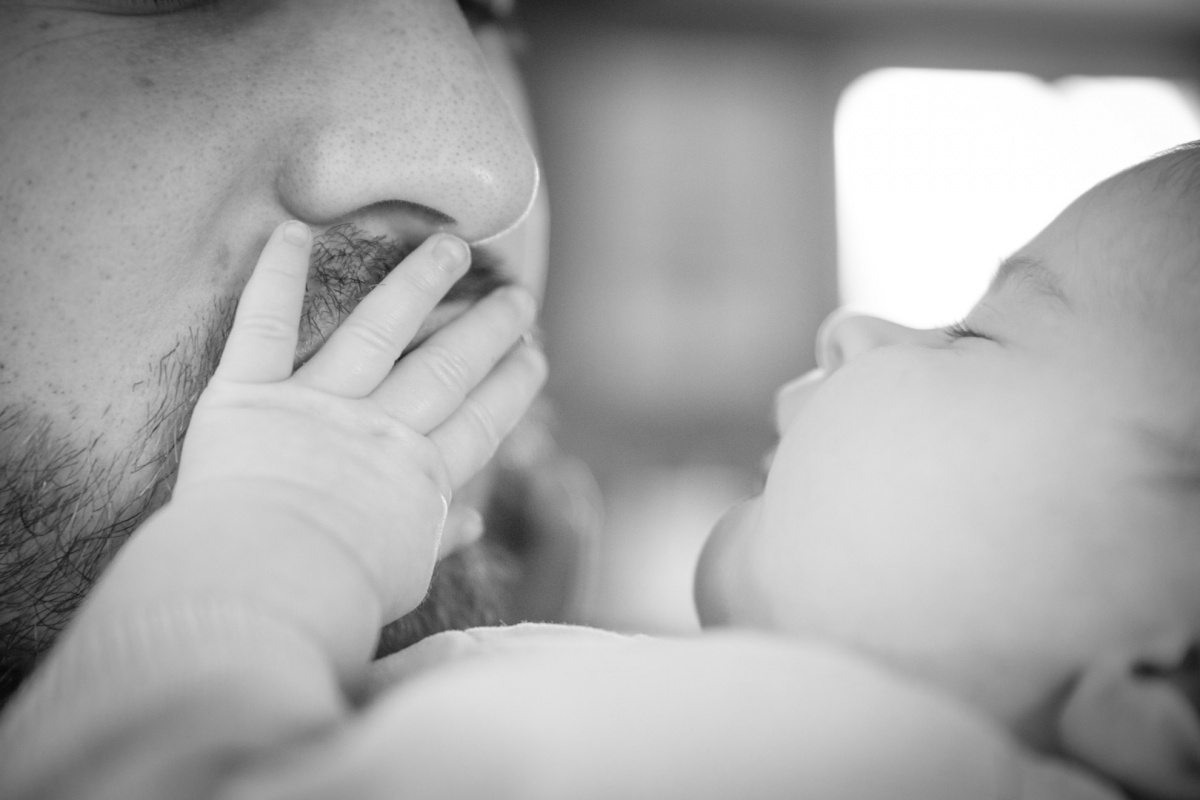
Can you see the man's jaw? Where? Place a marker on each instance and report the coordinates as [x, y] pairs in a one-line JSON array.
[[51, 554]]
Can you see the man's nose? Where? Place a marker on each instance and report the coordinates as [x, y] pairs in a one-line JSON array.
[[845, 335], [396, 118]]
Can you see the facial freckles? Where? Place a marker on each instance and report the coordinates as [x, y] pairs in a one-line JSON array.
[[150, 155], [144, 160]]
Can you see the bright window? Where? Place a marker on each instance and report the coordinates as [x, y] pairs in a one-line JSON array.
[[941, 174]]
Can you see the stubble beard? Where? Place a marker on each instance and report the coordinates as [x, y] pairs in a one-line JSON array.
[[66, 507]]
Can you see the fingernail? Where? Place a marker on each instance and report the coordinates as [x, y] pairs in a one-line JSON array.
[[472, 526], [523, 299], [451, 253], [532, 338], [532, 354], [295, 232]]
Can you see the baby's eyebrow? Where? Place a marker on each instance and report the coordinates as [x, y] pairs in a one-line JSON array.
[[1030, 271]]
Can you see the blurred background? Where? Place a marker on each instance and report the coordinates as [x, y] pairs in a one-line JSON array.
[[724, 173]]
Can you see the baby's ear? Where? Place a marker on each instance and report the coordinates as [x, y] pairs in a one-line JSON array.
[[1136, 719]]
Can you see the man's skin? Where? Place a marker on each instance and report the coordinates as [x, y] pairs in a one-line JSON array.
[[147, 149]]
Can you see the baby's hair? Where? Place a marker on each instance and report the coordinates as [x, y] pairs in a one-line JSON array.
[[1176, 167], [1153, 298], [1180, 172], [1154, 249]]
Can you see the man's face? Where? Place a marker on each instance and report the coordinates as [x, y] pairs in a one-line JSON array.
[[148, 147], [988, 513]]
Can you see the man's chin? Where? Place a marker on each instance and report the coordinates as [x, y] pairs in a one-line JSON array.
[[470, 587]]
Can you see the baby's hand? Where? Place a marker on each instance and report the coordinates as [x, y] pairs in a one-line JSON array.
[[321, 494]]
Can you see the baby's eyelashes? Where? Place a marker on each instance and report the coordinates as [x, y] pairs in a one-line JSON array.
[[961, 330]]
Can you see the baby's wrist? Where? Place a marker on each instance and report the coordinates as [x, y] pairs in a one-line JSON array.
[[250, 546]]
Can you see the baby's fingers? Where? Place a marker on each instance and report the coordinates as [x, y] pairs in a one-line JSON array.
[[464, 525], [262, 342], [471, 435], [429, 383], [362, 351]]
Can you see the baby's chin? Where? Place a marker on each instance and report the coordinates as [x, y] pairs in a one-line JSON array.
[[1018, 692], [732, 591], [725, 586]]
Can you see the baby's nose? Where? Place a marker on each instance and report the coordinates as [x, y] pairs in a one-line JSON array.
[[845, 335]]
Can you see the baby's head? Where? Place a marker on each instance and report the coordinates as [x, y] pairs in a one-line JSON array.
[[1009, 508]]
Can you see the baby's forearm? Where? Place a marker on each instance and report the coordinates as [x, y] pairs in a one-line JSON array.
[[177, 674], [171, 702]]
